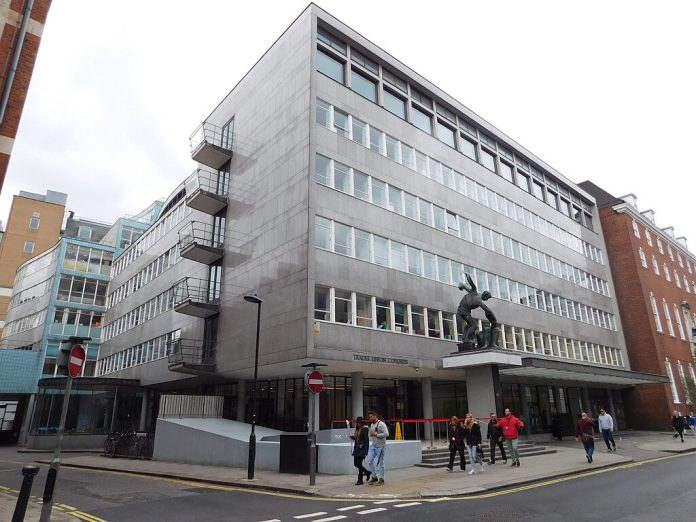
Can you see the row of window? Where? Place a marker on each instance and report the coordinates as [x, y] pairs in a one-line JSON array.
[[360, 244], [146, 311], [24, 323], [351, 308], [392, 93], [66, 321], [368, 188], [682, 378], [129, 235], [144, 276], [80, 258], [368, 136], [665, 309], [145, 352], [648, 238], [153, 234], [665, 271], [39, 262], [30, 293], [83, 290]]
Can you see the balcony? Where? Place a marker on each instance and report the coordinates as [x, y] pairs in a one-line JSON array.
[[207, 191], [211, 145], [201, 242], [193, 356], [193, 297]]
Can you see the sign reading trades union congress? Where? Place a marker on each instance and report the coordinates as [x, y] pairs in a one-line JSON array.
[[379, 359]]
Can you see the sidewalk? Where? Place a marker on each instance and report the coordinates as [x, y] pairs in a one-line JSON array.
[[8, 501], [414, 482]]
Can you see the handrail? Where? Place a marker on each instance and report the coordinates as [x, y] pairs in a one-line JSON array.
[[191, 351], [203, 233], [209, 181], [210, 133], [193, 289]]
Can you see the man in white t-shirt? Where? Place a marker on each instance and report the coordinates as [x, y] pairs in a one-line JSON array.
[[378, 446], [606, 426]]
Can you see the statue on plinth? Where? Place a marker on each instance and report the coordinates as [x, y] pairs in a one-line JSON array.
[[488, 338]]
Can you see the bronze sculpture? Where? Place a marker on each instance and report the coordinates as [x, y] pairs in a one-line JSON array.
[[488, 338]]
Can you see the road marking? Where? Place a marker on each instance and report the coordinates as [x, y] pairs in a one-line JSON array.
[[348, 508], [86, 516], [383, 501], [272, 520], [310, 515], [408, 505], [368, 511], [339, 517], [67, 507]]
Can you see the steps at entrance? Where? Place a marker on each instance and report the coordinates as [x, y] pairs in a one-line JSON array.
[[439, 457]]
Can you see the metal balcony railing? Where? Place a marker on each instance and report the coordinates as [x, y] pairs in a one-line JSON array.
[[195, 297], [191, 355], [201, 242], [211, 145], [207, 190]]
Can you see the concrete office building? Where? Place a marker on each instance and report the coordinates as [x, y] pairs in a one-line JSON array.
[[353, 195], [33, 225], [655, 278], [21, 26]]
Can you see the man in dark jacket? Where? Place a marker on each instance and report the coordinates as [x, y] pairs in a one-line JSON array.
[[495, 437], [678, 423]]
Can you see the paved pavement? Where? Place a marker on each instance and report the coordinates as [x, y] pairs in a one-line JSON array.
[[414, 482]]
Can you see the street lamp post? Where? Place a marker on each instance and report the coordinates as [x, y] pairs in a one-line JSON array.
[[255, 299]]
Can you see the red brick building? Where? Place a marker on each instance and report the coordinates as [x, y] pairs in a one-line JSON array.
[[655, 280], [21, 26]]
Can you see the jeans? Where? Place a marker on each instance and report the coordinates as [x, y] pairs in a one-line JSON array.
[[512, 449], [358, 463], [589, 448], [375, 459], [608, 437], [474, 456], [499, 443], [462, 460]]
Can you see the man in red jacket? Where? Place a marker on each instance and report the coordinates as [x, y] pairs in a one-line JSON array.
[[509, 425]]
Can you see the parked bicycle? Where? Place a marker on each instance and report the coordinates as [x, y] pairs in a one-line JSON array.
[[129, 444]]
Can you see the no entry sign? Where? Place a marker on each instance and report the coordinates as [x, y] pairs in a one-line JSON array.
[[314, 381], [77, 360]]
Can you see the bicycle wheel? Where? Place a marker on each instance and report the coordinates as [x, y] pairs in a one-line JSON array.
[[109, 447], [145, 448]]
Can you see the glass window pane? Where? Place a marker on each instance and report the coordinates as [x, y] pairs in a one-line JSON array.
[[362, 245], [329, 66], [343, 239], [378, 192], [487, 160], [468, 148], [322, 232], [421, 120], [445, 134], [363, 86], [342, 177], [322, 172], [363, 310], [394, 104], [381, 248], [360, 185]]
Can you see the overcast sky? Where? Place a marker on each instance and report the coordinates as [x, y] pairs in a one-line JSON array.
[[604, 91]]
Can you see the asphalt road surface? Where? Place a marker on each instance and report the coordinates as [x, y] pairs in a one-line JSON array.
[[662, 489]]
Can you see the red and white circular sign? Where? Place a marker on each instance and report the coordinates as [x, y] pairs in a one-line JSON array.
[[77, 360], [314, 381]]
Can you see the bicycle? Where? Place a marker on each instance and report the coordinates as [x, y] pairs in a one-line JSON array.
[[145, 445], [118, 442]]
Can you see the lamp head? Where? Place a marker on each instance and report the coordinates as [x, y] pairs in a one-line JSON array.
[[253, 298]]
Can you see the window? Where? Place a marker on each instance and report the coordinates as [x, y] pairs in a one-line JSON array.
[[363, 310], [659, 246], [505, 171], [322, 233], [669, 251], [676, 279], [418, 320], [522, 181], [329, 66], [341, 177], [655, 267], [321, 303], [434, 324], [665, 308], [383, 309], [445, 134], [343, 307], [468, 147], [636, 232], [363, 60], [421, 120], [666, 271], [84, 233], [34, 223], [361, 188], [394, 104], [487, 160], [323, 113], [330, 40], [398, 256], [341, 123], [343, 239], [362, 245], [648, 237], [363, 86], [672, 384], [394, 80], [401, 317], [537, 190], [643, 260], [359, 131], [322, 173], [680, 326], [29, 247]]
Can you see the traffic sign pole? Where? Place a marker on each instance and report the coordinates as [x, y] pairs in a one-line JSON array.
[[73, 368], [314, 382]]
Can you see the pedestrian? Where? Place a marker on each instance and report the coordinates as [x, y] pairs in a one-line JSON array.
[[472, 435], [556, 428], [584, 432], [456, 433], [361, 446], [606, 426], [510, 425], [678, 424], [378, 447], [692, 422], [495, 438]]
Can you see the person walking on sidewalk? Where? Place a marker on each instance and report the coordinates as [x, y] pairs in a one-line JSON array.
[[472, 435], [510, 425], [606, 426], [692, 422], [378, 446], [360, 448], [678, 424], [584, 432], [456, 432], [495, 438]]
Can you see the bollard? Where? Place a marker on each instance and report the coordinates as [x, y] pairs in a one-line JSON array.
[[23, 499]]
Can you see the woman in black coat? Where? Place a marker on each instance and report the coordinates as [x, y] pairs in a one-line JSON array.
[[360, 448], [472, 435], [455, 432]]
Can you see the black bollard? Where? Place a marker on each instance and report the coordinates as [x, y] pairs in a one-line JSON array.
[[20, 509]]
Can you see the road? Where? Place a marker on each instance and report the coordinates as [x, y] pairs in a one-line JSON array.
[[660, 489]]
